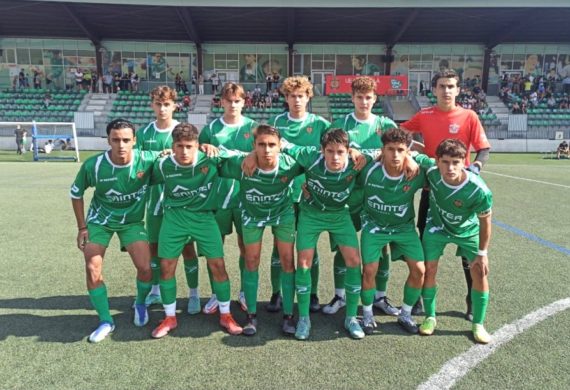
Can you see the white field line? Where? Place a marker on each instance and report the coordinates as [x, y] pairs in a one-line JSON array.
[[525, 179], [458, 367]]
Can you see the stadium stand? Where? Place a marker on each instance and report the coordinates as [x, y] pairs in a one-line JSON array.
[[341, 104], [30, 104], [135, 106]]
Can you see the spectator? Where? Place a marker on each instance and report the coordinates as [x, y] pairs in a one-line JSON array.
[[248, 100], [87, 80], [276, 78], [48, 147], [37, 80], [256, 93], [268, 100], [21, 79], [19, 133], [47, 100], [177, 79], [186, 101], [78, 79], [516, 108], [201, 85], [100, 87], [216, 101], [194, 82], [268, 81], [533, 99], [215, 82], [563, 150], [134, 82], [527, 85], [108, 83], [564, 103], [551, 102]]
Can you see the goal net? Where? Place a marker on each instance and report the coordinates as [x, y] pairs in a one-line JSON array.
[[46, 140]]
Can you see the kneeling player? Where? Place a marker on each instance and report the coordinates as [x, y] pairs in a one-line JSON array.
[[188, 178], [120, 177], [388, 218], [459, 213]]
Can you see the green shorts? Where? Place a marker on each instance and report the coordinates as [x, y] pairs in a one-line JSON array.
[[313, 223], [435, 241], [226, 218], [180, 225], [153, 223], [99, 234], [284, 231], [356, 222], [403, 245]]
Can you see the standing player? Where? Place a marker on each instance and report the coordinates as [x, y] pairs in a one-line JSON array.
[[459, 213], [388, 218], [157, 136], [447, 120], [364, 130], [190, 199], [331, 176], [231, 131], [266, 200], [120, 178], [304, 129]]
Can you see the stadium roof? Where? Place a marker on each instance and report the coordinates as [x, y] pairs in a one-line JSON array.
[[301, 22]]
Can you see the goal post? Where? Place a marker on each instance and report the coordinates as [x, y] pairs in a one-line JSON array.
[[55, 141]]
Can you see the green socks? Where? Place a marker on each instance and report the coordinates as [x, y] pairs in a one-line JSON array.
[[275, 271], [211, 278], [339, 270], [288, 289], [100, 302], [143, 288], [411, 295], [250, 284], [429, 295], [155, 267], [168, 291], [241, 269], [222, 290], [191, 268], [315, 273], [303, 287], [352, 285], [479, 300], [367, 297], [383, 271]]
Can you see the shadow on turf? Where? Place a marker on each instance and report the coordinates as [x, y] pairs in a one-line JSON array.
[[72, 328]]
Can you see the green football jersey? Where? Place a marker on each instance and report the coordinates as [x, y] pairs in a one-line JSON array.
[[152, 138], [306, 131], [365, 137], [119, 190], [192, 186], [454, 209], [266, 195], [329, 190], [389, 201], [230, 137]]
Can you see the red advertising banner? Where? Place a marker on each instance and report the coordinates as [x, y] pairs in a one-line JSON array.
[[386, 85]]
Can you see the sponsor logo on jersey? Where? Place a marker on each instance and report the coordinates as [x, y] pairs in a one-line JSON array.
[[309, 130], [255, 196], [458, 203], [451, 218], [183, 192], [204, 170], [454, 128], [118, 197], [376, 203], [320, 190], [109, 179]]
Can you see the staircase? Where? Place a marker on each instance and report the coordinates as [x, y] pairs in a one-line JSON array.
[[402, 109], [99, 104], [499, 109]]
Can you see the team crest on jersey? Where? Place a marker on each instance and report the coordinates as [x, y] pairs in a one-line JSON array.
[[204, 170], [349, 178], [284, 179], [246, 135], [309, 130], [406, 188], [454, 128], [140, 174], [458, 203]]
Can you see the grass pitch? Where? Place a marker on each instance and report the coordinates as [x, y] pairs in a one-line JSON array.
[[45, 314]]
